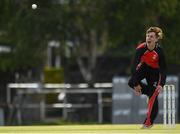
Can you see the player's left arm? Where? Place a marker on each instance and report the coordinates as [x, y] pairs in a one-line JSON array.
[[162, 68]]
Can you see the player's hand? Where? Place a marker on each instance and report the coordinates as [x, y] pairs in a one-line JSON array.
[[137, 90], [159, 88], [138, 66]]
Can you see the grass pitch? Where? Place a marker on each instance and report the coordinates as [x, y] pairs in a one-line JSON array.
[[89, 129]]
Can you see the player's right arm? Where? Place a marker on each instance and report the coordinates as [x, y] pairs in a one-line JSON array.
[[137, 57]]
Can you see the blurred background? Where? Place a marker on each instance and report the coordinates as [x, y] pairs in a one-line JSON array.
[[66, 61]]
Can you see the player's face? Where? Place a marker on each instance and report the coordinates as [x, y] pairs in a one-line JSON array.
[[151, 39]]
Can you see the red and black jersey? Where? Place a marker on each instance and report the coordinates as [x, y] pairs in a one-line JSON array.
[[153, 58]]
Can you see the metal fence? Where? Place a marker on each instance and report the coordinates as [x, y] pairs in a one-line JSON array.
[[28, 100], [106, 100]]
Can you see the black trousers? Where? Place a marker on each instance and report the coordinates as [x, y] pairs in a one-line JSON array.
[[152, 77]]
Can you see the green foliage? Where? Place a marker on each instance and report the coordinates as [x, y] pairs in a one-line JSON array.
[[125, 21], [131, 20]]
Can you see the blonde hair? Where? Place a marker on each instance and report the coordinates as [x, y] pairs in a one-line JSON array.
[[158, 31]]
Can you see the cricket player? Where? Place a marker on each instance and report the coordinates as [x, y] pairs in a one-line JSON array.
[[149, 64]]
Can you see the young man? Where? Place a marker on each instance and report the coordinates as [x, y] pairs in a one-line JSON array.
[[149, 63]]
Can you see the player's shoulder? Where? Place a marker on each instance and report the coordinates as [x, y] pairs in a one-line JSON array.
[[141, 45], [159, 49]]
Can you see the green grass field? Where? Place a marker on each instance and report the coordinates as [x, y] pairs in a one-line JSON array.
[[89, 129]]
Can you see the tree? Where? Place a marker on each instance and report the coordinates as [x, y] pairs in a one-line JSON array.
[[86, 25], [93, 28]]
